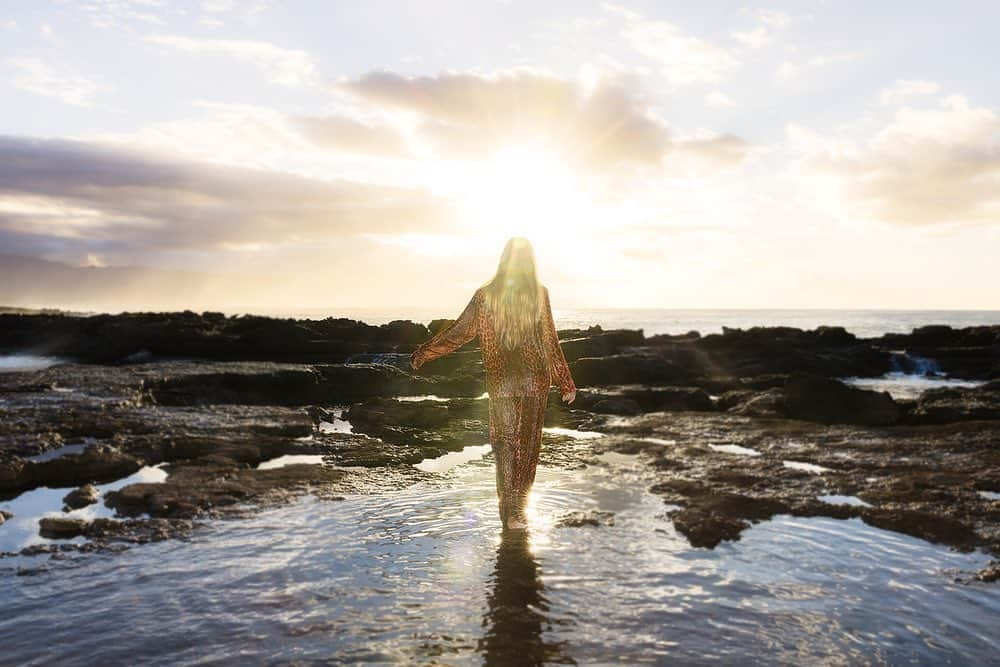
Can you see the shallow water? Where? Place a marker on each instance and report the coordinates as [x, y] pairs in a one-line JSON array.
[[29, 507], [422, 574], [908, 386], [10, 363]]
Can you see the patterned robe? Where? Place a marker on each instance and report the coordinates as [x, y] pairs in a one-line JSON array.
[[518, 387]]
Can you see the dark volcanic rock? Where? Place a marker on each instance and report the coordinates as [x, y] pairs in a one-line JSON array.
[[94, 464], [940, 406], [617, 405], [627, 369], [272, 387], [61, 528], [77, 498], [591, 518], [828, 401]]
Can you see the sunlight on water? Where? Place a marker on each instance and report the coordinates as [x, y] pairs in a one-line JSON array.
[[572, 433], [425, 575], [805, 467], [844, 500], [452, 459]]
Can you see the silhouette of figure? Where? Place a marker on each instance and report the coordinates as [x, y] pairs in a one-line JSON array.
[[512, 316], [516, 617]]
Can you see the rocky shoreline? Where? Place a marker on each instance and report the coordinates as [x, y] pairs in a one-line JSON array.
[[739, 426]]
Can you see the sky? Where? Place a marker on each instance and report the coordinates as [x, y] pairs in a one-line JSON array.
[[288, 154]]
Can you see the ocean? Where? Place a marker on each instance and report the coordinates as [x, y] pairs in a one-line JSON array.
[[862, 323]]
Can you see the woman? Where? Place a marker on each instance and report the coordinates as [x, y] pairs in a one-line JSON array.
[[512, 316]]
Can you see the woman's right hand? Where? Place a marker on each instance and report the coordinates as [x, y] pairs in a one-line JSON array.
[[569, 396]]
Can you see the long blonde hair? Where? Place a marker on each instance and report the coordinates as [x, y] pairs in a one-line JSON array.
[[514, 296]]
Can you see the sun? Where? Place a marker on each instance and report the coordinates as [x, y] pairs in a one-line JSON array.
[[523, 191]]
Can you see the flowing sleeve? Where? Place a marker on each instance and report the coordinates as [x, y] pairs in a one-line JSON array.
[[561, 376], [449, 339]]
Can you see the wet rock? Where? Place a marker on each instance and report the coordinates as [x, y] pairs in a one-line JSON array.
[[195, 488], [617, 405], [11, 475], [670, 399], [925, 525], [828, 401], [944, 405], [81, 497], [298, 386], [768, 404], [586, 518], [990, 573], [95, 464], [61, 528], [627, 369], [4, 515]]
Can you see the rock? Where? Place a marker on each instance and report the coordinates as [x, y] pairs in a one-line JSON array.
[[945, 405], [11, 475], [990, 573], [298, 386], [94, 464], [670, 399], [61, 528], [627, 369], [81, 497], [768, 404], [617, 405], [591, 518], [4, 515], [925, 525], [828, 401]]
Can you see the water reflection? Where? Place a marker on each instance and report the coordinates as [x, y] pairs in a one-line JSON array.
[[517, 615]]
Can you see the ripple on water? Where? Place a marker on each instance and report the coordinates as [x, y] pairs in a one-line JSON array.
[[423, 575]]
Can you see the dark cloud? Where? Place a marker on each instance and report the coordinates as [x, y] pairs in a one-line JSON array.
[[598, 126], [100, 196]]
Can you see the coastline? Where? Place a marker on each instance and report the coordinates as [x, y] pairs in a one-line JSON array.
[[211, 398]]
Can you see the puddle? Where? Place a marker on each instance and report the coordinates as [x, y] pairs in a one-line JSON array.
[[16, 363], [451, 459], [735, 449], [660, 441], [22, 530], [844, 500], [572, 433], [807, 467], [427, 397], [990, 495], [58, 453], [290, 459]]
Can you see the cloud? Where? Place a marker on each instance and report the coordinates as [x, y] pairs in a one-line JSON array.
[[903, 89], [717, 98], [285, 67], [598, 125], [768, 23], [788, 70], [70, 197], [39, 77], [342, 133], [684, 59], [928, 166]]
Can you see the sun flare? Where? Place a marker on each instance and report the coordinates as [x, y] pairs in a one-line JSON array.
[[527, 191]]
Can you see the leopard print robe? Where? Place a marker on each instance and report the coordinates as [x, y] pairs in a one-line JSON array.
[[518, 388]]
